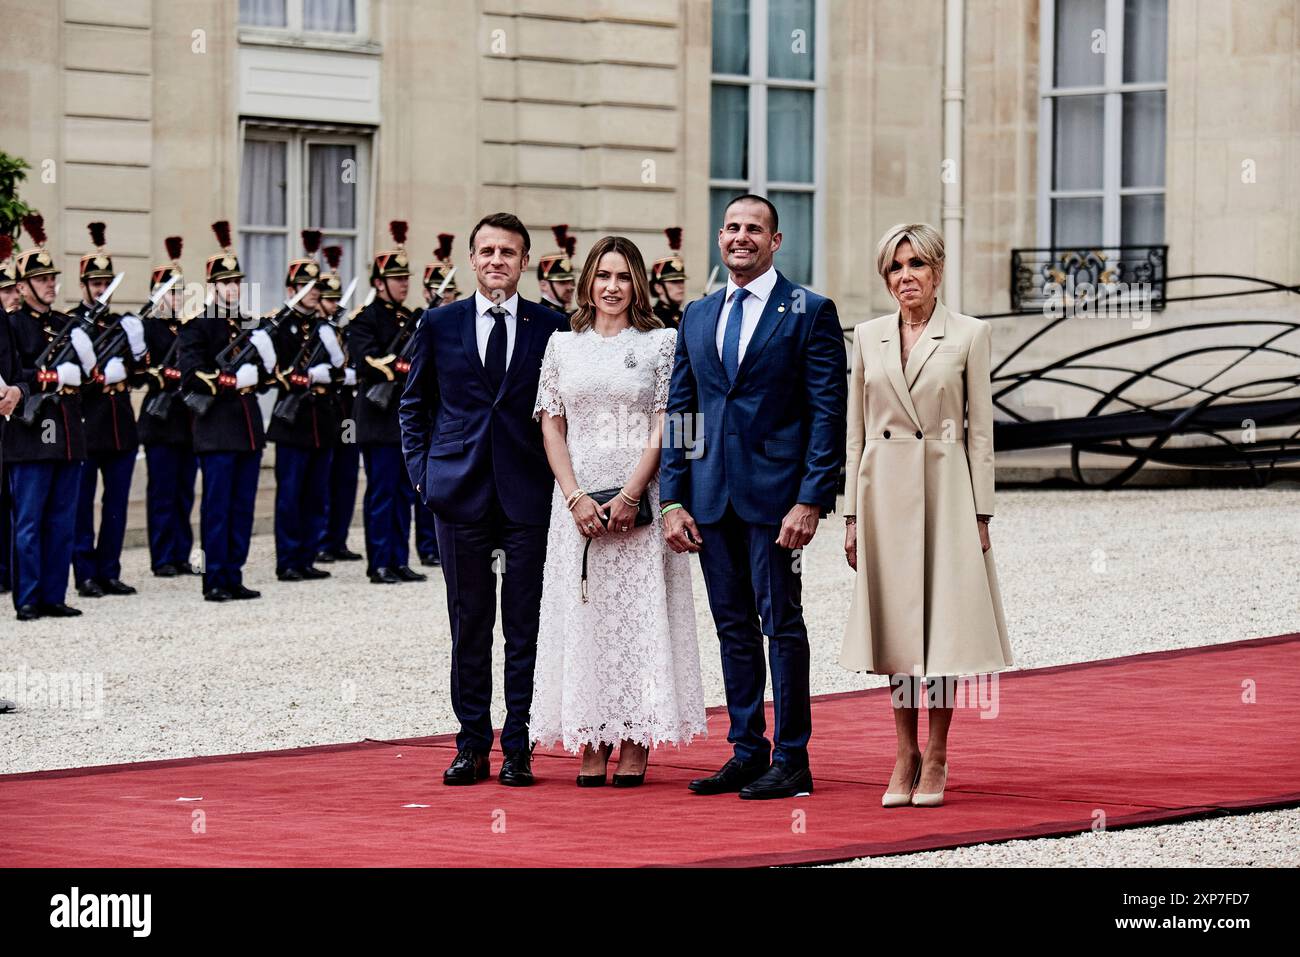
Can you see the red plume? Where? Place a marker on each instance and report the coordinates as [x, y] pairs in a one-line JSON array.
[[334, 256], [174, 245], [398, 228], [97, 231], [443, 252], [34, 223], [311, 241], [221, 229], [570, 245], [561, 236], [674, 234], [6, 247]]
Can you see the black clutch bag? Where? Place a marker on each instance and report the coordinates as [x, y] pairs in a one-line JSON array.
[[643, 517]]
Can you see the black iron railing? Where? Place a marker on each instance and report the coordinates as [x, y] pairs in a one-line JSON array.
[[1058, 281]]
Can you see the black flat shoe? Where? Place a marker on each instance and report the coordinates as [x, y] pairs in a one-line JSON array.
[[430, 561], [384, 576], [289, 575], [217, 594], [408, 574], [467, 768], [312, 573], [779, 782], [115, 586], [166, 571], [58, 611], [324, 558], [347, 555], [240, 593], [89, 589], [517, 770], [28, 613], [730, 778]]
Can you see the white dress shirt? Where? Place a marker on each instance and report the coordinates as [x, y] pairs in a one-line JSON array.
[[752, 309], [485, 322]]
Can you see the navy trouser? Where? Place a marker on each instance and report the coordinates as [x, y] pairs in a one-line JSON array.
[[426, 534], [387, 507], [754, 590], [45, 517], [101, 560], [6, 529], [345, 463], [472, 556], [226, 514], [302, 482], [169, 501]]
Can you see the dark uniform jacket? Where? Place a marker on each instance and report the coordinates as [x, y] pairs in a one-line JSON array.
[[344, 396], [668, 314], [58, 434], [164, 375], [234, 422], [371, 337], [316, 424], [11, 370], [106, 409]]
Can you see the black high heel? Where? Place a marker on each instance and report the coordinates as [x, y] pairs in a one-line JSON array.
[[597, 780], [631, 780]]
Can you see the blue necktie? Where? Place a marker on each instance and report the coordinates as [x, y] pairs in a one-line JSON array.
[[731, 337]]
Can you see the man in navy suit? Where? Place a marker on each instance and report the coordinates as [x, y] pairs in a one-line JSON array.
[[753, 448], [475, 457]]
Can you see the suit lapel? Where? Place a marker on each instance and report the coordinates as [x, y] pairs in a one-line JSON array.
[[922, 351], [775, 310], [710, 343], [469, 339], [891, 356]]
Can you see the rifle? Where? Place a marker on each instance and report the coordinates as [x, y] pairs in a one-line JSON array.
[[240, 349], [112, 339], [381, 393], [287, 407], [60, 349]]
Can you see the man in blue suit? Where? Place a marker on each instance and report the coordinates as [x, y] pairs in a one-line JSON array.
[[475, 457], [753, 448]]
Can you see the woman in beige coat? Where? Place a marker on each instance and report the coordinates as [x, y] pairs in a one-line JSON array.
[[918, 497]]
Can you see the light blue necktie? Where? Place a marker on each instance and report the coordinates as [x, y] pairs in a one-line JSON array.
[[731, 337]]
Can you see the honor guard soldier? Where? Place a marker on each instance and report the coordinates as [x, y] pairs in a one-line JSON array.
[[555, 278], [166, 429], [379, 338], [12, 393], [439, 271], [224, 360], [345, 457], [45, 441], [668, 280], [112, 440], [304, 421]]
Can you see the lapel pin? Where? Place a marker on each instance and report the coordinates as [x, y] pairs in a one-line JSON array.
[[781, 308]]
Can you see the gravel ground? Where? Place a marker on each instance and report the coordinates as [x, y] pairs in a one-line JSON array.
[[1084, 575]]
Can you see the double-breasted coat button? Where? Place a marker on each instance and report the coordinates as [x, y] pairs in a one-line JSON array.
[[886, 433], [919, 435]]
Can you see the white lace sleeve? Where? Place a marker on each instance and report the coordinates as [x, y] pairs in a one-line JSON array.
[[664, 369], [548, 386]]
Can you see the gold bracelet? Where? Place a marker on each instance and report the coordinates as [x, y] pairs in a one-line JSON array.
[[850, 520], [634, 502], [573, 498]]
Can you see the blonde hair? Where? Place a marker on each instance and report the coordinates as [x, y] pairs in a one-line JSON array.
[[927, 243], [640, 313]]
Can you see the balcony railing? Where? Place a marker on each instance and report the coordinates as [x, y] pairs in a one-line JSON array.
[[1070, 281]]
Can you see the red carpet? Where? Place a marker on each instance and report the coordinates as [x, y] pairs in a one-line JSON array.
[[1142, 739]]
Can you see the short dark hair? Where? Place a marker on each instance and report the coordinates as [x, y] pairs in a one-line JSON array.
[[507, 221], [751, 198]]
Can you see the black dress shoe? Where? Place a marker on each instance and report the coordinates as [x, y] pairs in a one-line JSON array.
[[517, 769], [89, 589], [408, 574], [288, 574], [324, 558], [28, 613], [467, 768], [430, 561], [731, 777], [58, 611], [312, 573], [240, 593], [346, 554], [4, 588], [779, 782], [217, 594], [115, 586], [166, 570], [384, 576], [185, 568]]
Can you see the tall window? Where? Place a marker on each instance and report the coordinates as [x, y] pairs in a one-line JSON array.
[[293, 180], [767, 120], [302, 16], [1102, 123]]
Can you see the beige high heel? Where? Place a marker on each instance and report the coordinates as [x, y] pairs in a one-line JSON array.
[[901, 798], [931, 798]]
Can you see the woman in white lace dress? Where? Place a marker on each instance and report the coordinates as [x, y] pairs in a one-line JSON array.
[[620, 664]]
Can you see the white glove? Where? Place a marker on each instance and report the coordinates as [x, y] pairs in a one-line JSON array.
[[134, 330], [319, 375], [245, 376], [69, 374], [114, 372], [331, 343], [84, 349], [349, 376], [262, 343]]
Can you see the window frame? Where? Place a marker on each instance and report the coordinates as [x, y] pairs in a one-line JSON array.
[[758, 83], [293, 18], [1112, 90]]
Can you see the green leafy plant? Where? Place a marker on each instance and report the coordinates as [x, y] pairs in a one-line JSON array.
[[12, 209]]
